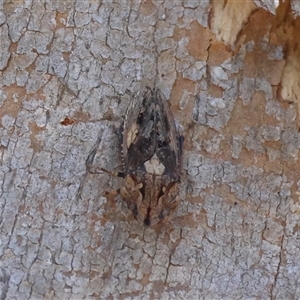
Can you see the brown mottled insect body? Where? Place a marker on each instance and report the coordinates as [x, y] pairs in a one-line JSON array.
[[151, 154]]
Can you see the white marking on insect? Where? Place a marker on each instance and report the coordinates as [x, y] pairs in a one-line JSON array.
[[132, 134], [154, 166]]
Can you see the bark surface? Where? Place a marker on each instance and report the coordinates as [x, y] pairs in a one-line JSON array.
[[68, 71]]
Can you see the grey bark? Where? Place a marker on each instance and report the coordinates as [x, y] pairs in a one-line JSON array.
[[68, 72]]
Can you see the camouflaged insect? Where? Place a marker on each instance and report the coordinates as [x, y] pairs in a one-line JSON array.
[[151, 154]]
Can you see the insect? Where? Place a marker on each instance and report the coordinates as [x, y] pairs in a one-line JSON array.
[[151, 151]]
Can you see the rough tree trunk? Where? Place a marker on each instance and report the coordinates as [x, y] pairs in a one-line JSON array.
[[231, 72]]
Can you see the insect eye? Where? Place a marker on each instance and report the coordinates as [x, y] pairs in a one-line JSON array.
[[147, 221], [142, 190]]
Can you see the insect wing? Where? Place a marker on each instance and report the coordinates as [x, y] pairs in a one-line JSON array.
[[139, 137], [168, 145]]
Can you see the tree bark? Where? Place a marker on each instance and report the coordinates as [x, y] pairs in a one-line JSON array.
[[231, 72]]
